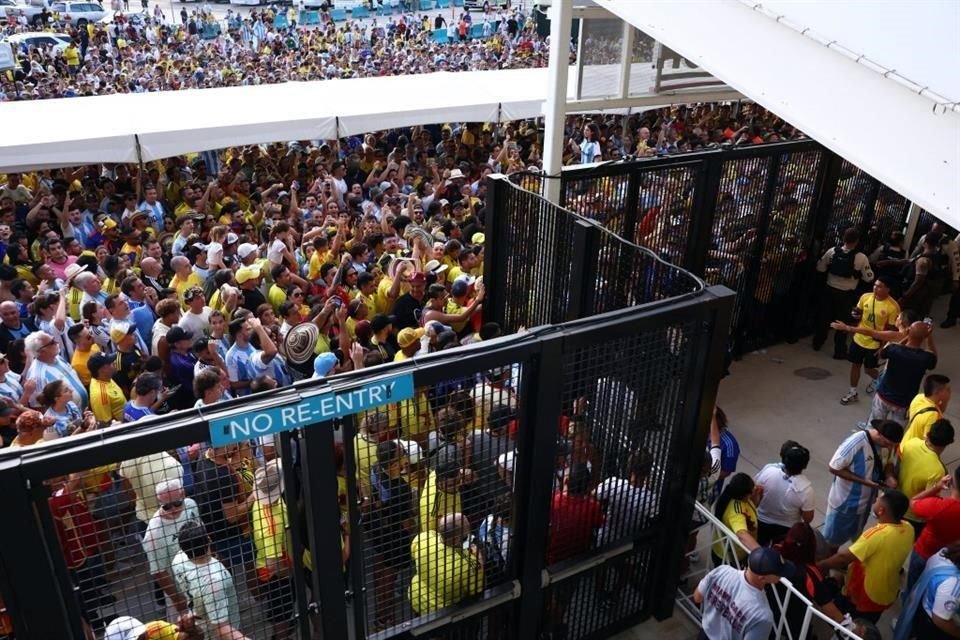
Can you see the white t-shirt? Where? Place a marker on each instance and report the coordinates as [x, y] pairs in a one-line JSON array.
[[784, 497], [275, 251], [210, 588], [625, 506], [214, 253], [160, 541], [945, 601], [733, 609], [198, 324]]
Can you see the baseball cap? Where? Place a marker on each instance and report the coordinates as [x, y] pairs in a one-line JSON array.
[[418, 277], [411, 449], [245, 249], [97, 361], [324, 364], [478, 238], [232, 238], [408, 336], [121, 330], [385, 185], [178, 333], [124, 628], [245, 274], [765, 561]]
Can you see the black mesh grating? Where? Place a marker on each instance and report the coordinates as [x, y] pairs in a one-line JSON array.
[[665, 211]]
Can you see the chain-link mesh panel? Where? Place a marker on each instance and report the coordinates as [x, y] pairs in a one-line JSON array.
[[197, 536], [850, 202], [602, 198], [664, 211], [586, 603], [736, 224], [776, 287], [613, 445], [537, 243], [433, 478], [889, 212]]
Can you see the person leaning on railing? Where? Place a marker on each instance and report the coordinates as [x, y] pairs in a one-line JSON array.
[[737, 510], [734, 604]]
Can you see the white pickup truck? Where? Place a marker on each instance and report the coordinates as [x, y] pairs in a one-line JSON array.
[[75, 13]]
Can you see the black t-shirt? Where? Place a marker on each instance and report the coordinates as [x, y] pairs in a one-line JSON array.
[[407, 312], [393, 504], [214, 484], [252, 298], [906, 367]]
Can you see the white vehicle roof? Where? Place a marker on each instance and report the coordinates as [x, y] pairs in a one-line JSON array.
[[26, 35]]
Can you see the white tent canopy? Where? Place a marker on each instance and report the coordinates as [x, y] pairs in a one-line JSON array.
[[875, 81], [74, 131]]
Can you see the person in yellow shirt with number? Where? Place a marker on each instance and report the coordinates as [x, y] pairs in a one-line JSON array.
[[927, 407], [921, 465], [877, 311], [876, 558]]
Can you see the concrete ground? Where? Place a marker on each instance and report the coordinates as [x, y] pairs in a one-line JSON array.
[[767, 403]]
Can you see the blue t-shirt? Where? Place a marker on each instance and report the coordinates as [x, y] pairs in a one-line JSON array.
[[904, 373], [132, 413]]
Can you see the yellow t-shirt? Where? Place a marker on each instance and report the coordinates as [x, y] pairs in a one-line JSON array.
[[880, 552], [740, 515], [106, 400], [920, 468], [276, 296], [193, 280], [79, 363], [365, 456], [269, 531], [920, 417], [383, 302], [444, 575], [435, 503], [877, 315], [72, 55]]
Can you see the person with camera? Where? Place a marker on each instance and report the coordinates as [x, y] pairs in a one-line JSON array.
[[877, 311]]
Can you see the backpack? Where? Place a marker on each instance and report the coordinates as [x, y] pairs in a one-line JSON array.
[[841, 264]]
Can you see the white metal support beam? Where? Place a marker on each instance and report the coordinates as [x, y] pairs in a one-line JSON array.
[[561, 13], [626, 59]]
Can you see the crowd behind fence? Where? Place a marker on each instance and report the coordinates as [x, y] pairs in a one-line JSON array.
[[429, 515], [755, 219]]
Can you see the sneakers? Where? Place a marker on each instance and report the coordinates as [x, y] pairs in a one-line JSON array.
[[850, 397], [871, 387]]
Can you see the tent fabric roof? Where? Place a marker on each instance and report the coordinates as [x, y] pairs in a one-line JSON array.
[[860, 96], [73, 131]]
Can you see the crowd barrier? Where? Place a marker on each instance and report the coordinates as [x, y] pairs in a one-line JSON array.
[[755, 219], [617, 402], [811, 623]]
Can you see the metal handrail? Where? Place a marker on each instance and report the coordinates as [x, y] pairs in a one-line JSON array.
[[718, 532]]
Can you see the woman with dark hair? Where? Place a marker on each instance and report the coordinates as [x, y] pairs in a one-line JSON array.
[[788, 496], [737, 510], [799, 548]]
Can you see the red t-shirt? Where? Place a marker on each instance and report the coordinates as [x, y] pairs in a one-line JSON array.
[[943, 524], [572, 522]]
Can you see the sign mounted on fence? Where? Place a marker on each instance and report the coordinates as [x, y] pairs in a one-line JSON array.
[[319, 408]]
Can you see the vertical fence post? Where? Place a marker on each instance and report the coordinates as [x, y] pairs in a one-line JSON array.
[[495, 250], [323, 509], [542, 388], [824, 202], [869, 215], [913, 221], [293, 492], [586, 241], [686, 452], [358, 602], [629, 231], [704, 204], [37, 589]]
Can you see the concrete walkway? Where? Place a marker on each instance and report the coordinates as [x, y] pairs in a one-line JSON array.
[[767, 403]]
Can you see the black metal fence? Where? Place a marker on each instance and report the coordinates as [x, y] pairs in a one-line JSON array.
[[430, 517], [754, 219]]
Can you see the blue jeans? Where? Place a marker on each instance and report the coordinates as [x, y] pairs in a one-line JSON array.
[[914, 569]]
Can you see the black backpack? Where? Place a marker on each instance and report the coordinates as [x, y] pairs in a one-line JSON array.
[[841, 264]]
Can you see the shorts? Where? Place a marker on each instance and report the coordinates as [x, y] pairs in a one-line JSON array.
[[842, 525], [882, 410], [234, 552], [276, 594], [860, 355]]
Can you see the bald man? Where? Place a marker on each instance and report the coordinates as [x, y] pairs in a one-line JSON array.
[[12, 326], [151, 268], [907, 364], [446, 573]]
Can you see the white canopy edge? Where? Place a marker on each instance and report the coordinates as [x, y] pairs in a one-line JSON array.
[[898, 136], [73, 131]]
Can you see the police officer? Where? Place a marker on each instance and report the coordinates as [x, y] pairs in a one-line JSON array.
[[888, 261], [845, 267], [924, 275]]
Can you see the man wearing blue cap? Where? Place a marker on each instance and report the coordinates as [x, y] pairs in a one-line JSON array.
[[734, 604]]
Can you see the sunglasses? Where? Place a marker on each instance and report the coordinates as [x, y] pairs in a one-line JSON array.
[[298, 294], [167, 506]]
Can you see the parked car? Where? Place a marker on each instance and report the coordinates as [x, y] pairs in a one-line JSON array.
[[484, 5], [58, 41], [78, 13]]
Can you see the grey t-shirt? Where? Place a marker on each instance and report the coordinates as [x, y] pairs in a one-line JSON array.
[[732, 608]]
